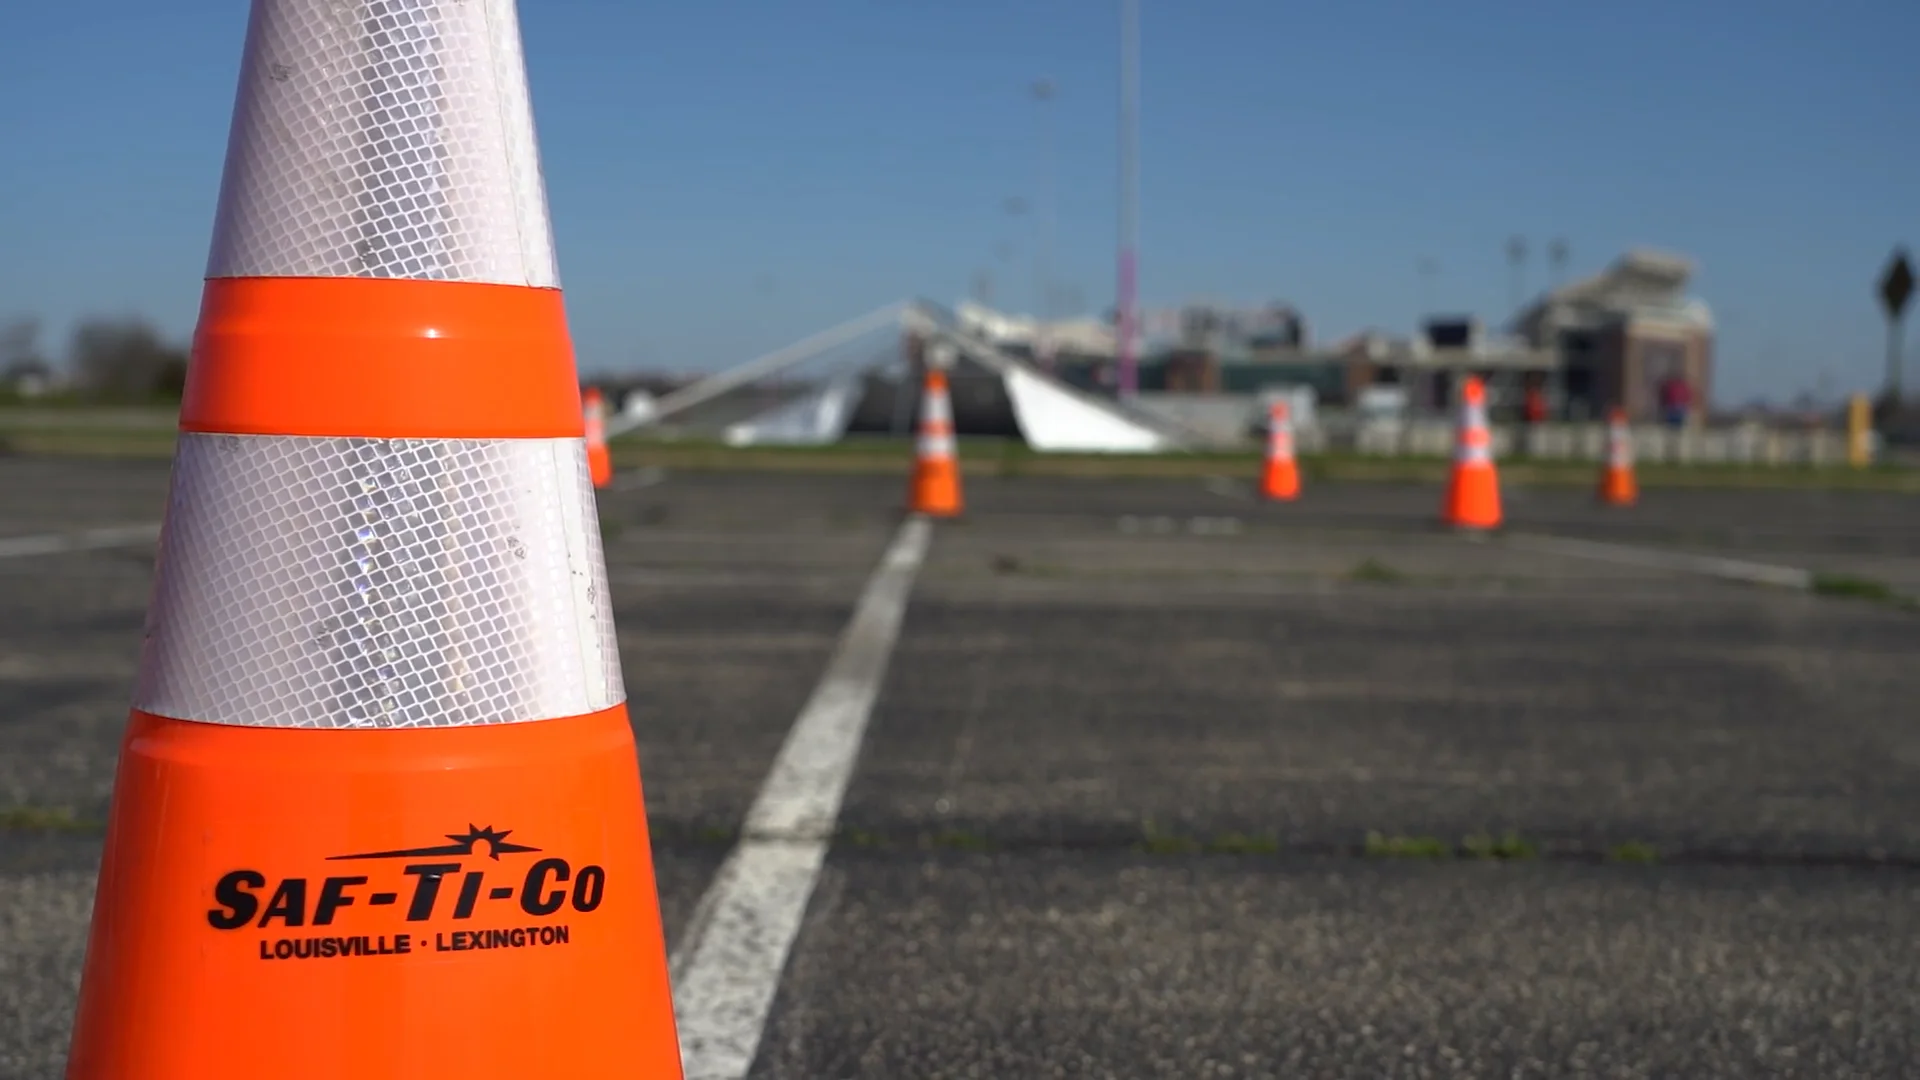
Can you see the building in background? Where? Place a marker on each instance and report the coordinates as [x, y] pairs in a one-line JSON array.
[[1621, 335], [1085, 338], [1428, 369]]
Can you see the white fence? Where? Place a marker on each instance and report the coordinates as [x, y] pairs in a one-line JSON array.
[[1234, 420], [1750, 445]]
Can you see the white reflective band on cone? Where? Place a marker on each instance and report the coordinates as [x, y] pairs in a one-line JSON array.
[[384, 138], [1619, 449], [345, 583], [1470, 454], [936, 445], [937, 410]]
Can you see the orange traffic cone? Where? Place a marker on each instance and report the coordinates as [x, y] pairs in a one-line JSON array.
[[1617, 484], [1281, 479], [1473, 492], [935, 490], [599, 461], [378, 811]]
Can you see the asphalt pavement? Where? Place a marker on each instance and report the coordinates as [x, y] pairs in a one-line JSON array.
[[1163, 781]]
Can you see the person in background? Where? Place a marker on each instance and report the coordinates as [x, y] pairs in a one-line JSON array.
[[1676, 399], [1533, 408]]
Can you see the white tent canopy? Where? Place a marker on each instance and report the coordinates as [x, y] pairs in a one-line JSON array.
[[1052, 416], [814, 419], [1057, 422]]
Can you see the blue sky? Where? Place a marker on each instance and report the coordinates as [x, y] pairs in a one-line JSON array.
[[726, 176]]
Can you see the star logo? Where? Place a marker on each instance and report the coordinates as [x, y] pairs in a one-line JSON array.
[[463, 844]]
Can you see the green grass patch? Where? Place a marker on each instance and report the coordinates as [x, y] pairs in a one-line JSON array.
[[1849, 587], [1855, 588], [95, 429], [1234, 843], [958, 840], [861, 838], [1508, 846], [1375, 572], [12, 404], [1633, 851], [1380, 845], [45, 819], [1155, 842], [89, 444]]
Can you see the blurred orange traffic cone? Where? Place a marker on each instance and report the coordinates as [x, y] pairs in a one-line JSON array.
[[1281, 479], [1473, 491], [599, 461], [1617, 484], [935, 490], [378, 811]]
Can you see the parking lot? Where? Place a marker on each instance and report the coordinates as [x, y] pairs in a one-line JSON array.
[[1161, 780]]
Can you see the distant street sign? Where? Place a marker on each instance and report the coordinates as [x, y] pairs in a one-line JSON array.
[[1896, 288], [1896, 285]]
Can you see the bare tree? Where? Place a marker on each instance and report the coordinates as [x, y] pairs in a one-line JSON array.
[[23, 370], [20, 347], [126, 358]]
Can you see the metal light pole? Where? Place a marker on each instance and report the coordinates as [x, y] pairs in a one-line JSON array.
[[1043, 92], [1557, 253], [1127, 330], [1005, 250], [1517, 258], [1429, 269], [1894, 335]]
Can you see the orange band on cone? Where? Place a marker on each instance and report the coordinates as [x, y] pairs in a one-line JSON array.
[[381, 358], [599, 458], [300, 904], [1280, 480]]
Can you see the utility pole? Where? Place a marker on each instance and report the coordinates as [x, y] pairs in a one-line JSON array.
[[1127, 331]]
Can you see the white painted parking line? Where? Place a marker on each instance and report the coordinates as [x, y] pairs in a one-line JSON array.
[[1166, 526], [1752, 573], [80, 540], [728, 967], [1214, 526], [1231, 489]]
